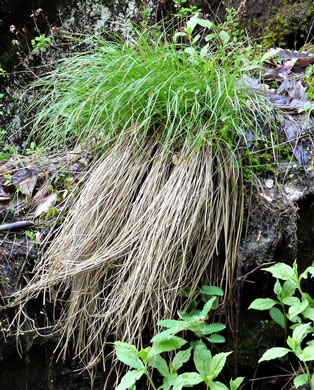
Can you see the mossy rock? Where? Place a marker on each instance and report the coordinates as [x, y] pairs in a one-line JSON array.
[[283, 23]]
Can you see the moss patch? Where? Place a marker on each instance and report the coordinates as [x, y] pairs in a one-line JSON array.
[[281, 22]]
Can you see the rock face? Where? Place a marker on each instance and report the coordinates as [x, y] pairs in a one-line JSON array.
[[275, 212], [19, 55]]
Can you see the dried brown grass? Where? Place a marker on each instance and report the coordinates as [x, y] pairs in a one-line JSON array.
[[147, 223]]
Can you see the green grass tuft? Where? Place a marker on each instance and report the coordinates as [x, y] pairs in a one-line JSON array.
[[147, 89], [149, 221]]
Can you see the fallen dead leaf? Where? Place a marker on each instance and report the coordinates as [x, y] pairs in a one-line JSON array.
[[288, 54], [44, 207], [268, 198], [5, 198], [83, 162], [269, 183], [28, 185], [284, 69], [41, 194]]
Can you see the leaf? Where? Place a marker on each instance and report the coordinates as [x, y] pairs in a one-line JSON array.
[[168, 323], [288, 289], [192, 305], [205, 23], [224, 36], [291, 301], [202, 358], [217, 364], [277, 315], [190, 50], [129, 379], [309, 313], [309, 299], [307, 271], [281, 271], [184, 315], [307, 354], [210, 37], [44, 207], [292, 344], [217, 386], [167, 332], [160, 364], [207, 307], [269, 54], [28, 184], [41, 194], [127, 354], [187, 379], [169, 380], [179, 34], [181, 358], [297, 309], [206, 329], [285, 69], [300, 332], [263, 304], [277, 288], [186, 292], [212, 290], [300, 380], [191, 24], [4, 156], [166, 344], [216, 338], [142, 354], [235, 384], [274, 353], [196, 38]]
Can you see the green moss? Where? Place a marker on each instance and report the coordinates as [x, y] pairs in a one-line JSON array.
[[265, 163], [8, 57], [309, 81], [278, 28]]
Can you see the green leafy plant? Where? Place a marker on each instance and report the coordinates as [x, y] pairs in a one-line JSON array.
[[296, 306], [2, 73], [7, 151], [182, 10], [309, 80], [208, 366], [8, 181], [41, 42]]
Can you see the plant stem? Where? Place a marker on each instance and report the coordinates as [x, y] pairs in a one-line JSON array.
[[150, 379], [285, 318], [308, 375]]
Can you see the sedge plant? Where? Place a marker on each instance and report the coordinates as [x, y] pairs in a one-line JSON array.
[[163, 205]]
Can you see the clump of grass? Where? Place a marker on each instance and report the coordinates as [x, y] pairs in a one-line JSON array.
[[146, 88], [163, 207]]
